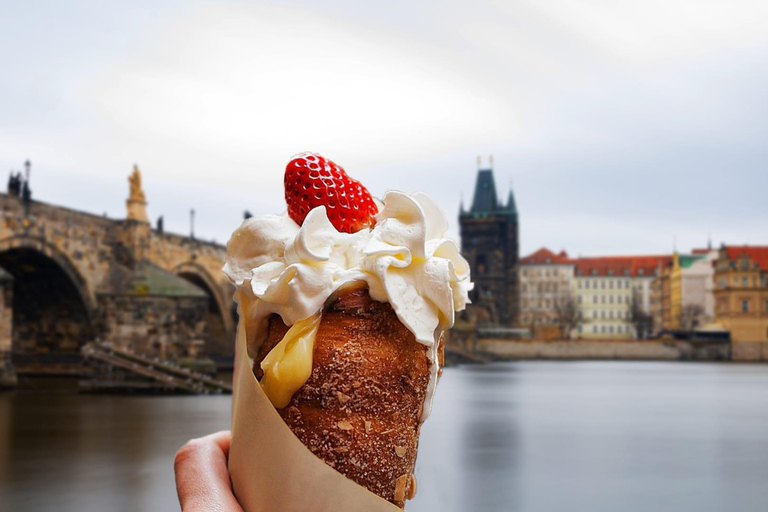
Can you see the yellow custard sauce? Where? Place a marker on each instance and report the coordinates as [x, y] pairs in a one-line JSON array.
[[289, 364]]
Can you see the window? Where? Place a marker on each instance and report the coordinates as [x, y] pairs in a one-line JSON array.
[[602, 314], [610, 299], [735, 281], [745, 306], [618, 284], [610, 283], [602, 328], [603, 299], [594, 314], [586, 285], [626, 283], [581, 329], [579, 299], [610, 329], [594, 328], [594, 299], [602, 284], [744, 282], [618, 328], [579, 285], [766, 306], [640, 272]]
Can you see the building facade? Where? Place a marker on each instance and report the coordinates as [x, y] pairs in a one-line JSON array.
[[741, 293], [546, 293], [613, 295], [684, 298], [698, 287], [489, 242]]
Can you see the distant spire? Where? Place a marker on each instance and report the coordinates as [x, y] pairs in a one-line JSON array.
[[490, 161], [479, 162], [709, 241], [511, 206]]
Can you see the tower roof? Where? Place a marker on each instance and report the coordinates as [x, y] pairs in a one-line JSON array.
[[485, 200], [511, 206]]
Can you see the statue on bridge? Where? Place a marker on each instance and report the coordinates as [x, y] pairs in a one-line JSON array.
[[137, 194], [137, 201], [14, 184]]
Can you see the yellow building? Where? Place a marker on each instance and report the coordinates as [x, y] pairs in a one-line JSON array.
[[675, 292], [612, 292], [741, 298]]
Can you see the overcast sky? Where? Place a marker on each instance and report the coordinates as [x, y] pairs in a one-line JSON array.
[[620, 124]]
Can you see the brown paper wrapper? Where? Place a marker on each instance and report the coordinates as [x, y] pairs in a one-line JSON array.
[[271, 469]]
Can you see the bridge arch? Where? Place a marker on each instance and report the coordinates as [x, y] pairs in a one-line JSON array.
[[221, 324], [53, 305]]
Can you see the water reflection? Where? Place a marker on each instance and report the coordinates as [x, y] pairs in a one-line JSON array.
[[490, 439], [522, 437]]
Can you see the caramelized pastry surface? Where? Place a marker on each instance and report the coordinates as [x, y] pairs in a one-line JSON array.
[[360, 409]]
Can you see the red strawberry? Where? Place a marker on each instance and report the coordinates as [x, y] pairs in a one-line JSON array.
[[312, 181]]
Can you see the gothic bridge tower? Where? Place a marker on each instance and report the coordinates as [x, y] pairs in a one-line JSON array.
[[489, 242]]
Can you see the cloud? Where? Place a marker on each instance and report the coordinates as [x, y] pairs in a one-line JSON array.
[[619, 123]]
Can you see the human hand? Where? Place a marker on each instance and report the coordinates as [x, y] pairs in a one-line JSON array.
[[202, 480]]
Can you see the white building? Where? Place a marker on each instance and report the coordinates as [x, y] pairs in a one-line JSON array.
[[546, 281]]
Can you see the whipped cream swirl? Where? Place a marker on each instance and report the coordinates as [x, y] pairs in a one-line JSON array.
[[282, 268]]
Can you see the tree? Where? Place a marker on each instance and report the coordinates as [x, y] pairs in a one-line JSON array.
[[640, 319], [691, 317], [567, 315]]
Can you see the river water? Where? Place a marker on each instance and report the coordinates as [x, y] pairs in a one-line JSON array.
[[529, 436]]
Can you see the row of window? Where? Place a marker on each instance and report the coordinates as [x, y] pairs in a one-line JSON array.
[[606, 329], [606, 299], [547, 303], [723, 282], [543, 287], [746, 306], [610, 314], [604, 283], [532, 272]]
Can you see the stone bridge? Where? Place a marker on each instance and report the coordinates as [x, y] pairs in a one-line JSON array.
[[72, 277]]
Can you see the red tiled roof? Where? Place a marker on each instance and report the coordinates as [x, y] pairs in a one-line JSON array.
[[759, 254], [620, 265], [545, 257]]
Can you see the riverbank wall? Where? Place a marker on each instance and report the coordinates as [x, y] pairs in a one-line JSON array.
[[620, 349]]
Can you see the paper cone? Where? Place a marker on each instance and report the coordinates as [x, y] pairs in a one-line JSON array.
[[271, 470]]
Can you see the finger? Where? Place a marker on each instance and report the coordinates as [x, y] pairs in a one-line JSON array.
[[202, 480]]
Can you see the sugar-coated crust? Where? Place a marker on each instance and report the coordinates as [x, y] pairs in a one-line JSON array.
[[360, 410]]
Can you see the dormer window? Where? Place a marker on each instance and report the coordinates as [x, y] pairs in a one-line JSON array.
[[640, 272]]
